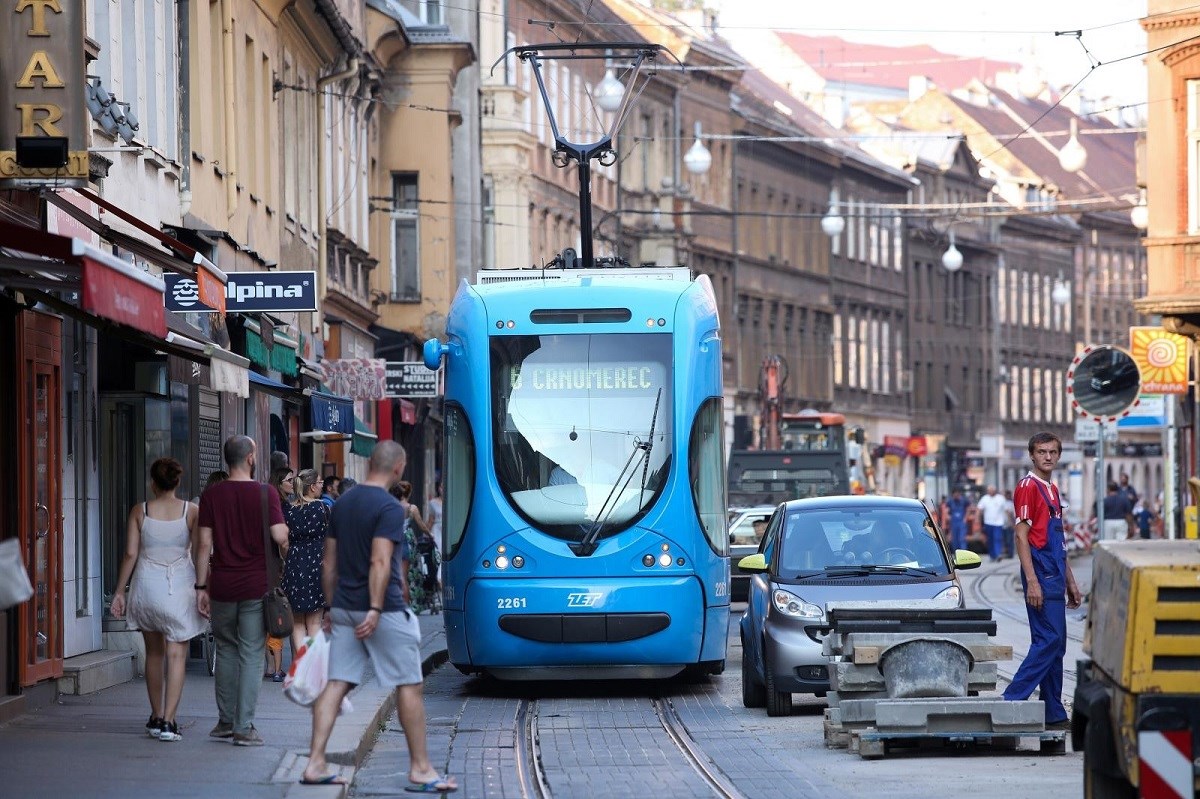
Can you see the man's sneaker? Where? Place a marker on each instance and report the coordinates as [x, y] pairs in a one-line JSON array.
[[154, 727], [278, 676], [222, 730], [248, 738], [170, 732]]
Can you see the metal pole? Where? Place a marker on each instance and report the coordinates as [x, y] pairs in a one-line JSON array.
[[1169, 482], [1101, 484], [585, 209]]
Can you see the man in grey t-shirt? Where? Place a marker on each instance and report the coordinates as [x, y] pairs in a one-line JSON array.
[[368, 619]]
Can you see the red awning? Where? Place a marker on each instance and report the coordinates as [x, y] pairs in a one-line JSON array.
[[111, 288], [173, 255]]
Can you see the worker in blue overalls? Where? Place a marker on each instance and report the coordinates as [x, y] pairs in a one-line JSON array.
[[1047, 579]]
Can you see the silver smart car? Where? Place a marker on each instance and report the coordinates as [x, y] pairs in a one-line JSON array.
[[830, 549]]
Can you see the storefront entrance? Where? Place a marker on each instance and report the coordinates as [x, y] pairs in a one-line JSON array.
[[39, 499]]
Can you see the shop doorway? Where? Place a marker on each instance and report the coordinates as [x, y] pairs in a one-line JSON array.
[[39, 495]]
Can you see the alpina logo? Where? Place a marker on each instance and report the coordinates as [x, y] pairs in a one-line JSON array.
[[247, 292], [186, 293], [242, 292]]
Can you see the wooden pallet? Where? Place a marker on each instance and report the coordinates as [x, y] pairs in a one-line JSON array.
[[874, 745]]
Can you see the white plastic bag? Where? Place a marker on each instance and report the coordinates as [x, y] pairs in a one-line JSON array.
[[309, 672]]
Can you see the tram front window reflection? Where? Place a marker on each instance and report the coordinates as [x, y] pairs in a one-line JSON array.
[[582, 427]]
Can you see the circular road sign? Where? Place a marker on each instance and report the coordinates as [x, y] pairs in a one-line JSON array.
[[1103, 383]]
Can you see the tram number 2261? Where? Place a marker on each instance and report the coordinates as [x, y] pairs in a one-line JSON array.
[[510, 602]]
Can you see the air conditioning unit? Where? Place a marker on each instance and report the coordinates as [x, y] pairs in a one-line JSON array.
[[904, 381]]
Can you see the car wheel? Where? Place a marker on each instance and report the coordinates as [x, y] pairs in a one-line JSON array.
[[753, 693], [779, 703]]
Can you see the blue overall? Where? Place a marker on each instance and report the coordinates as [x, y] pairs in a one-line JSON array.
[[958, 522], [1043, 665]]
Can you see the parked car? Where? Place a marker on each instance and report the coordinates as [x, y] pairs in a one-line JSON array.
[[746, 527], [829, 549]]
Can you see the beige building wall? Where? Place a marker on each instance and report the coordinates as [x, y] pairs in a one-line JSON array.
[[234, 177], [415, 123]]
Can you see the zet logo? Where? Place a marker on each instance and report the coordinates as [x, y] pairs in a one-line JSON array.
[[584, 600], [186, 292]]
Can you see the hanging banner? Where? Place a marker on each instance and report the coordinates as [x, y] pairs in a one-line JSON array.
[[1162, 359], [43, 114], [357, 378]]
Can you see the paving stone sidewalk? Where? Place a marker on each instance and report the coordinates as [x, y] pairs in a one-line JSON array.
[[96, 745]]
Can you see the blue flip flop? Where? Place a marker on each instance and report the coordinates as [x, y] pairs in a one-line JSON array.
[[440, 785]]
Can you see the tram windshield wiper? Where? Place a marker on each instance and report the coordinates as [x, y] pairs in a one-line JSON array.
[[586, 546]]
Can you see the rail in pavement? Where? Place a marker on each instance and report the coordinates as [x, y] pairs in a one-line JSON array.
[[96, 745]]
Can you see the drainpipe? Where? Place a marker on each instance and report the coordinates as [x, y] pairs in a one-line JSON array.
[[231, 120], [322, 217], [183, 20]]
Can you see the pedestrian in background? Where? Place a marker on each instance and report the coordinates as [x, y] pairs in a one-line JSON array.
[[1144, 517], [957, 507], [329, 490], [1010, 520], [159, 541], [231, 529], [308, 524], [1047, 579], [362, 577], [992, 508], [345, 485], [281, 480], [1117, 512], [1131, 495], [415, 531]]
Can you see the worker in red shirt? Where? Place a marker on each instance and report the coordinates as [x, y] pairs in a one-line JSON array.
[[1047, 579]]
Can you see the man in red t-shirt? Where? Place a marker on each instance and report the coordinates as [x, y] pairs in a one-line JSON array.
[[231, 532], [1047, 578]]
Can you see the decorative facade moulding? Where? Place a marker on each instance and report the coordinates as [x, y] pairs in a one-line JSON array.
[[1181, 21], [1179, 54]]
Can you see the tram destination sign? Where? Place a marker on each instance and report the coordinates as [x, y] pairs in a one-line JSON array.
[[410, 379], [247, 292]]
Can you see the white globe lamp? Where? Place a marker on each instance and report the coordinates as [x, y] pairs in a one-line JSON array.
[[610, 92], [952, 259]]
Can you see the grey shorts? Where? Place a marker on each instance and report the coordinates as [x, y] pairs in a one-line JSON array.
[[394, 649]]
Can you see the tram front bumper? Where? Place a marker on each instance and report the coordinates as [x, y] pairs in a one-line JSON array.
[[573, 622]]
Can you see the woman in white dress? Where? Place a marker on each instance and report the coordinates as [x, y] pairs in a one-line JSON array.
[[162, 600]]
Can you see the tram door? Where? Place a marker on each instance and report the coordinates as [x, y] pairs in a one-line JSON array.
[[39, 497]]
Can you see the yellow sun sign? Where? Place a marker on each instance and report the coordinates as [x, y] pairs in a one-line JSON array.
[[1162, 358]]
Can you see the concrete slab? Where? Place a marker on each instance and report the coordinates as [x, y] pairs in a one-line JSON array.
[[846, 678], [841, 644]]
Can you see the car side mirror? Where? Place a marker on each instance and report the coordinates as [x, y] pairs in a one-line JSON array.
[[966, 559], [753, 564]]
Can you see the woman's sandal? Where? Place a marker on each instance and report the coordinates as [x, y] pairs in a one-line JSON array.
[[439, 785]]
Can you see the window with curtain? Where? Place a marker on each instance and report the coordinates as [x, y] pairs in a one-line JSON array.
[[406, 261]]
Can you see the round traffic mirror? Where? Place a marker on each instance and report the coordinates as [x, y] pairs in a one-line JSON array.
[[1104, 382]]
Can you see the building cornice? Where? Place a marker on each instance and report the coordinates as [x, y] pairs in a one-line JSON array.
[[1163, 22]]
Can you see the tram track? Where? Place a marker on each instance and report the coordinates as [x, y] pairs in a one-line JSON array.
[[529, 757]]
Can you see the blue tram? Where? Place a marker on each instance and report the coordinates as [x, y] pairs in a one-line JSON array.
[[584, 531]]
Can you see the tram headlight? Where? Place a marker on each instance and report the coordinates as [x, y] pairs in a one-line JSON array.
[[648, 561], [789, 604], [501, 562], [518, 561], [950, 598], [502, 549], [664, 559]]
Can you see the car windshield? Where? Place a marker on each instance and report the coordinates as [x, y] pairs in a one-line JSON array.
[[582, 427], [823, 539]]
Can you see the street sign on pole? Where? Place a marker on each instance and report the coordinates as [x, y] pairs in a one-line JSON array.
[[1087, 431]]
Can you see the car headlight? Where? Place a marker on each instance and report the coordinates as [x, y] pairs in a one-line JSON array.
[[950, 598], [791, 605]]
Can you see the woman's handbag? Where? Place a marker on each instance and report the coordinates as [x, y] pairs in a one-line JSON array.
[[277, 610], [14, 578]]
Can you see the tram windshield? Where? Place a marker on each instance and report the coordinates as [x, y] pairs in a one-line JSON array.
[[581, 427]]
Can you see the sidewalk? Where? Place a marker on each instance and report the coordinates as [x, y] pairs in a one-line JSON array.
[[96, 745]]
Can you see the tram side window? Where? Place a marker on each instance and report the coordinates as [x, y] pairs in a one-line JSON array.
[[459, 479], [706, 455]]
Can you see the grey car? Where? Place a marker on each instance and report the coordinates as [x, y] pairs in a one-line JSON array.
[[829, 549]]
